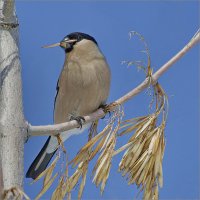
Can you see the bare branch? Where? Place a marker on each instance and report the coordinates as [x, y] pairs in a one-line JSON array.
[[57, 128], [161, 71]]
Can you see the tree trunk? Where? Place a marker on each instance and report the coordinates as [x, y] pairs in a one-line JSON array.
[[1, 180], [12, 124]]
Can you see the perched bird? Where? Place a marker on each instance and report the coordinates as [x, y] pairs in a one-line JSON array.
[[83, 86]]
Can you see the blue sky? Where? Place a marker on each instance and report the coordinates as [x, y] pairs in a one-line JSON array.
[[167, 26]]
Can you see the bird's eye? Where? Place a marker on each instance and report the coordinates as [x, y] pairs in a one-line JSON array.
[[68, 40]]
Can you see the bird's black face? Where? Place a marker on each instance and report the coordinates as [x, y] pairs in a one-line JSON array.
[[70, 40]]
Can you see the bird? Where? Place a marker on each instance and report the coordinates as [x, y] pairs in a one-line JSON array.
[[83, 86]]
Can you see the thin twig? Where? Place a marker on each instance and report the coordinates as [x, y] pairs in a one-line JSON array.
[[55, 129]]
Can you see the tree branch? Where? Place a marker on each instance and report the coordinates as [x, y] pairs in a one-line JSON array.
[[57, 128]]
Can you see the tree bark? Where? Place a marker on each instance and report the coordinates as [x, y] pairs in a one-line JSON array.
[[12, 124], [1, 180]]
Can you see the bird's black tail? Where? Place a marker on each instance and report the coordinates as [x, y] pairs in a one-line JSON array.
[[40, 163]]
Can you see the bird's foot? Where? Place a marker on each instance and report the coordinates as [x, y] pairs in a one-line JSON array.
[[105, 108], [79, 119]]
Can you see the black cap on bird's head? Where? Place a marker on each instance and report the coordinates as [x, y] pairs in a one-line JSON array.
[[70, 40], [78, 36]]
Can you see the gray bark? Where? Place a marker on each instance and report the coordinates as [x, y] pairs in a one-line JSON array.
[[12, 123], [1, 180]]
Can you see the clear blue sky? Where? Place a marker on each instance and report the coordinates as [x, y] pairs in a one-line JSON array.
[[167, 26]]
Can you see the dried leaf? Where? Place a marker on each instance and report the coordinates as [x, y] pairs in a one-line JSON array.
[[128, 145], [153, 143], [99, 167], [73, 180], [96, 138], [103, 184], [160, 176], [106, 139], [97, 149], [147, 169], [81, 155], [82, 185], [155, 194], [130, 129], [50, 171], [46, 187], [145, 126], [137, 168], [57, 194], [137, 150], [158, 160]]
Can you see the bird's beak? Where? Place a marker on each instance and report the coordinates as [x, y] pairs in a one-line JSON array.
[[52, 45], [63, 44]]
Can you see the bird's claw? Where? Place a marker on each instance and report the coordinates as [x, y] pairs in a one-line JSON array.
[[106, 109], [79, 119]]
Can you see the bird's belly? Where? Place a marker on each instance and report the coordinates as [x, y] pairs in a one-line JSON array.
[[78, 101], [83, 87]]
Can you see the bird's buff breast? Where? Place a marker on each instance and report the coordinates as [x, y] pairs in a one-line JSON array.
[[83, 88]]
